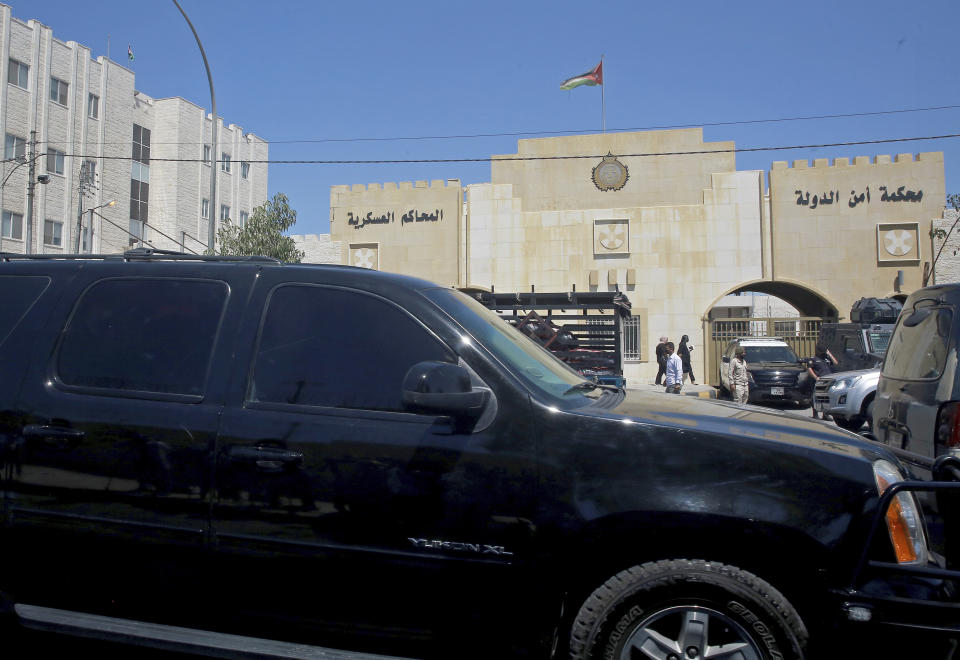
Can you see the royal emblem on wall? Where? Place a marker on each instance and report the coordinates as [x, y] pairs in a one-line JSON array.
[[610, 174], [365, 255], [611, 237], [898, 241]]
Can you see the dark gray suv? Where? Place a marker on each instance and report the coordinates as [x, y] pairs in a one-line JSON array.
[[917, 406]]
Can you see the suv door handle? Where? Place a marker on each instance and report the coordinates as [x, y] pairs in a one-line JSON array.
[[270, 459], [61, 437]]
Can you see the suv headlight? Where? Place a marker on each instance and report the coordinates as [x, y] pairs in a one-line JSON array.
[[844, 383], [904, 523]]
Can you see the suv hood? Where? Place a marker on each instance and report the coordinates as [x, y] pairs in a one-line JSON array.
[[729, 419]]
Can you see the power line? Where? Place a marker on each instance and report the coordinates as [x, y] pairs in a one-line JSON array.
[[488, 159], [741, 122]]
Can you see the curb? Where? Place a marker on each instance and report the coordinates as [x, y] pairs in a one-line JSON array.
[[701, 391]]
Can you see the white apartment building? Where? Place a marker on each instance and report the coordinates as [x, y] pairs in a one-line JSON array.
[[99, 140]]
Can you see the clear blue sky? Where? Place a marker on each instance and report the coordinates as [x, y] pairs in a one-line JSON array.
[[371, 72]]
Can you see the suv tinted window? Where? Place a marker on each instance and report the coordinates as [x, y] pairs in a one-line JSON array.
[[919, 350], [321, 346], [17, 294], [146, 335]]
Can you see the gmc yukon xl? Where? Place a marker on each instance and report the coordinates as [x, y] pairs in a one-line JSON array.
[[237, 456]]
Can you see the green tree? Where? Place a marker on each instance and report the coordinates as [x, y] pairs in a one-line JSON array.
[[263, 233]]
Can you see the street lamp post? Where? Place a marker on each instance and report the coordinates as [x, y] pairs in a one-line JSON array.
[[211, 231], [112, 202]]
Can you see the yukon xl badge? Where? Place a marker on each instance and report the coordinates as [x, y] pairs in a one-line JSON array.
[[476, 548]]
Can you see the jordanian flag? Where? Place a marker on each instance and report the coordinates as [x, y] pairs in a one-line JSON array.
[[591, 78]]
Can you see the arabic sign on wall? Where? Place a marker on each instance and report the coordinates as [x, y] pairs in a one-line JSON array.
[[898, 241], [611, 237], [887, 194], [360, 220]]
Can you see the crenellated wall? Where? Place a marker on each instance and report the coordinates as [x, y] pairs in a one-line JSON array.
[[847, 228], [408, 227]]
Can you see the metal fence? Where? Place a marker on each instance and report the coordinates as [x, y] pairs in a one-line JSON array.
[[800, 333]]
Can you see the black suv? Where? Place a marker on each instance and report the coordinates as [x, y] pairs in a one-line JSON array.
[[205, 454], [776, 374]]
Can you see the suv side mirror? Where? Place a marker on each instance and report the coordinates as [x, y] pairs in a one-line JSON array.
[[442, 388]]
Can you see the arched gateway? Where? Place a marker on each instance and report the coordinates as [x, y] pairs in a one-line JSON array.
[[661, 216], [727, 320]]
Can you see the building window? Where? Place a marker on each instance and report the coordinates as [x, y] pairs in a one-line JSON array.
[[58, 91], [631, 338], [17, 73], [225, 162], [141, 144], [12, 225], [55, 161], [85, 239], [136, 232], [52, 233], [93, 106], [205, 209], [206, 154], [14, 147], [243, 218], [224, 212], [245, 170], [139, 194]]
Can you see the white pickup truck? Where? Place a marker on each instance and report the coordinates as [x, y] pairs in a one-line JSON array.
[[848, 397]]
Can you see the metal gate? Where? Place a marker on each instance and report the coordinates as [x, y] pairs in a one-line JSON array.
[[799, 332]]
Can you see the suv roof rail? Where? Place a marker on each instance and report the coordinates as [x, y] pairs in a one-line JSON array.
[[142, 254], [147, 253]]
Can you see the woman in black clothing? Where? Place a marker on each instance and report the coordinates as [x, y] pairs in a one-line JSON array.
[[684, 352]]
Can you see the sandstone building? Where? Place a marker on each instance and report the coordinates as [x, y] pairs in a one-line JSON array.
[[665, 218]]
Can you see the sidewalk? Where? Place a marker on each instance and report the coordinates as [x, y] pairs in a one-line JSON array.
[[700, 390]]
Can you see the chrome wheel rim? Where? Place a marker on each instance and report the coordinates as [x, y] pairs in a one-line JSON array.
[[689, 633]]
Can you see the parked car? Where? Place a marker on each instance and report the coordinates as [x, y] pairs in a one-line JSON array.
[[847, 396], [918, 394], [776, 374], [199, 448]]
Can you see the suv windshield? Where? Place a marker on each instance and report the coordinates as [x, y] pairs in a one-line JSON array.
[[524, 357], [770, 354]]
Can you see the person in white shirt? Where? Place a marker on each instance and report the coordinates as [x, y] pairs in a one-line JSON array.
[[674, 377]]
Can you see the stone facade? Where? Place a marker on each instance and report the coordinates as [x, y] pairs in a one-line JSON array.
[[945, 230], [96, 123], [665, 218]]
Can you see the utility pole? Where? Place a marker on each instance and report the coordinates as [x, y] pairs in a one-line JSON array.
[[31, 184], [83, 169]]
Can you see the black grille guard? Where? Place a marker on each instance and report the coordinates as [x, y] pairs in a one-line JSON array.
[[946, 474]]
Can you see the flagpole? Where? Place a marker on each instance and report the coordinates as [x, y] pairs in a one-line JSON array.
[[603, 102]]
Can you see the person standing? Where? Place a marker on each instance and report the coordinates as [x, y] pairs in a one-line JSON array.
[[739, 381], [674, 370], [684, 352], [661, 359], [817, 367]]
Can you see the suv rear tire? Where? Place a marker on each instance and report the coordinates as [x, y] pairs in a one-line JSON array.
[[686, 608]]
